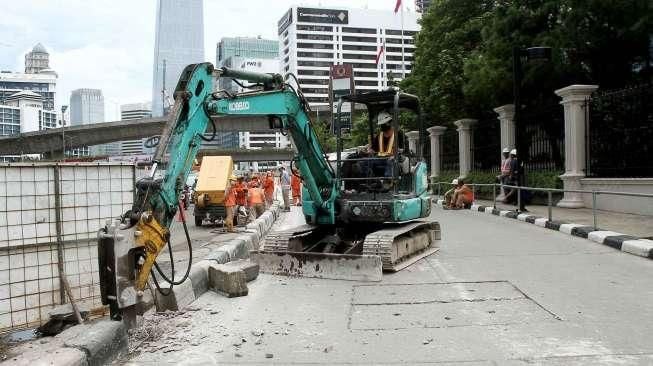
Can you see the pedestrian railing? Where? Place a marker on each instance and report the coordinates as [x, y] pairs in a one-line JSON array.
[[548, 191]]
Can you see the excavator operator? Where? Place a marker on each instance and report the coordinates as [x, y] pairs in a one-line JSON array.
[[383, 145], [387, 139]]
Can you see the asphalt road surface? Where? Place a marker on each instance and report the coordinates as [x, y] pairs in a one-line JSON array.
[[495, 294]]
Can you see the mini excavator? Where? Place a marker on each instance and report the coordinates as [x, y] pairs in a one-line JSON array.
[[364, 215]]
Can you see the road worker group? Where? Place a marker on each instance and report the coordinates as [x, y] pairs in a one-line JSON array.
[[247, 197]]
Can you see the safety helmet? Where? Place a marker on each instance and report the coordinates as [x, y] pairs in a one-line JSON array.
[[232, 177], [454, 182], [506, 150], [383, 118], [513, 152]]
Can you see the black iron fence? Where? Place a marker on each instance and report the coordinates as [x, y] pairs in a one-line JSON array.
[[449, 150], [620, 132], [541, 133], [486, 145]]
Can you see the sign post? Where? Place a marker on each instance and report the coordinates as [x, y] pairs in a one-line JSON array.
[[341, 83]]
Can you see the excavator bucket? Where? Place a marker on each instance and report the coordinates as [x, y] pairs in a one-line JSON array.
[[320, 265]]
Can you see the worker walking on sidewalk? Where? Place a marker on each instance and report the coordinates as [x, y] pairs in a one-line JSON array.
[[230, 205], [285, 188]]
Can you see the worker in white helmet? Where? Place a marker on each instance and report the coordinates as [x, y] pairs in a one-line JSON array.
[[504, 173], [387, 140], [515, 179]]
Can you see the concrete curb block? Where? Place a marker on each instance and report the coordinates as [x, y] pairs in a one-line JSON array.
[[623, 242], [92, 344]]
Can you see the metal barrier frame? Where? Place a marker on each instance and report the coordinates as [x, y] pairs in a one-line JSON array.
[[549, 192]]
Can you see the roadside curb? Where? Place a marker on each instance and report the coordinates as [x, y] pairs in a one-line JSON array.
[[234, 249], [99, 342], [623, 242]]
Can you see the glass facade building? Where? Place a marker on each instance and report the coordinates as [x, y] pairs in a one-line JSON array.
[[179, 41], [246, 47]]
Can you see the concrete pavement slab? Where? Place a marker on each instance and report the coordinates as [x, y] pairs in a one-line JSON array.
[[540, 297]]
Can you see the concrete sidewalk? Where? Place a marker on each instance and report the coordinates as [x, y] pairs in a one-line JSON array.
[[636, 225]]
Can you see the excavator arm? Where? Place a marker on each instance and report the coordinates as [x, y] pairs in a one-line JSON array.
[[129, 246], [285, 110]]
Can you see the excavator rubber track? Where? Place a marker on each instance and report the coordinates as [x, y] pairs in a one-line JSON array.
[[402, 245], [288, 240]]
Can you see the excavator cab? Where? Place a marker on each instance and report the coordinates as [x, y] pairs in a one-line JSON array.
[[385, 174], [386, 171]]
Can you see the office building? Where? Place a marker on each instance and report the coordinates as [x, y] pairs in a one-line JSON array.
[[243, 53], [24, 112], [43, 83], [87, 107], [253, 140], [313, 39], [422, 5], [130, 112], [179, 41], [246, 47], [37, 60]]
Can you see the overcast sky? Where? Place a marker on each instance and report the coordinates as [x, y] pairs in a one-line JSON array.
[[109, 45]]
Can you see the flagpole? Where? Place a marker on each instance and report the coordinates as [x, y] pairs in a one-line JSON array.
[[403, 64], [385, 65]]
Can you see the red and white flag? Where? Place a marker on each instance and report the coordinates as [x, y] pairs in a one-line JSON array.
[[397, 6], [380, 53]]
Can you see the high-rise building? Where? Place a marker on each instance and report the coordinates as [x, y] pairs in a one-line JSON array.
[[43, 83], [246, 47], [422, 5], [244, 53], [179, 41], [87, 107], [23, 112], [37, 60], [129, 112], [313, 39]]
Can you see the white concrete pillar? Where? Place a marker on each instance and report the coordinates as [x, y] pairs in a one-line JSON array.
[[413, 136], [506, 115], [465, 144], [434, 134], [573, 101]]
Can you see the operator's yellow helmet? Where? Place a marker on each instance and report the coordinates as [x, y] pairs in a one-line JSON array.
[[232, 177]]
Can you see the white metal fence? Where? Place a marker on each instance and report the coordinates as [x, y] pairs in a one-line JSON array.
[[49, 217]]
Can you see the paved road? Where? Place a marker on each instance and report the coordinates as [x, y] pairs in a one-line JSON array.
[[495, 294]]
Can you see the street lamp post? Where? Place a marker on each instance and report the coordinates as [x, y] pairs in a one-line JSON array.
[[63, 133], [529, 54]]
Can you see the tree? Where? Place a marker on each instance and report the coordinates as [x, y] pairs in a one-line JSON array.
[[324, 136], [463, 60], [451, 30]]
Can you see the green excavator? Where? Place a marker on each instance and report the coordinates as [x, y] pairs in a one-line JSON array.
[[365, 214]]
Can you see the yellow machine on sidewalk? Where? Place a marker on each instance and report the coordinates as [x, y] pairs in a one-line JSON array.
[[209, 191]]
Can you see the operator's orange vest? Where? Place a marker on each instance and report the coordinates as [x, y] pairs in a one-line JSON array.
[[386, 150]]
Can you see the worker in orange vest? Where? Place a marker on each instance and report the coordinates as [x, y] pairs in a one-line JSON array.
[[295, 186], [230, 204], [268, 189], [240, 189], [256, 200]]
